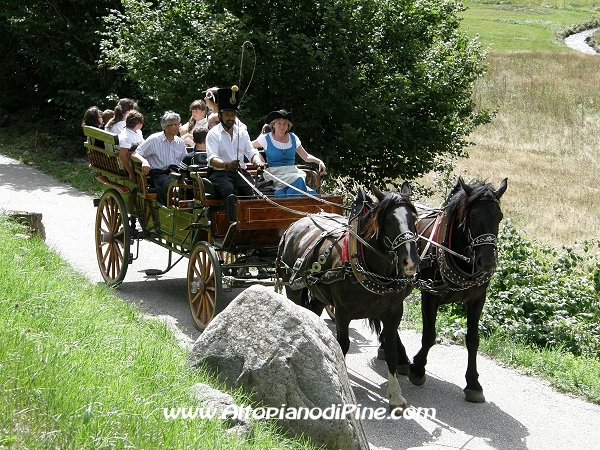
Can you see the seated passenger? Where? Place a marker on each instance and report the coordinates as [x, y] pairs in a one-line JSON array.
[[213, 119], [117, 123], [129, 139], [226, 146], [199, 135], [192, 158], [161, 154], [281, 147], [210, 99], [93, 117], [106, 116], [198, 119]]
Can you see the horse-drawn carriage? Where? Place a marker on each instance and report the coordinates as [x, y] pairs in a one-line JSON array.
[[364, 267], [194, 224]]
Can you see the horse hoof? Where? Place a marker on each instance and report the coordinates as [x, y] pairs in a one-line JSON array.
[[402, 369], [471, 395], [381, 354], [417, 381]]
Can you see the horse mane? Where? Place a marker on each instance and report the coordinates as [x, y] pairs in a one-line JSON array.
[[373, 220], [460, 203]]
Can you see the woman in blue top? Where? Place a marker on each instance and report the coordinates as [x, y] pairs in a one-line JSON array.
[[281, 147]]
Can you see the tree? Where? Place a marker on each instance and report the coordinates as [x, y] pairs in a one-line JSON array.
[[380, 90], [51, 51]]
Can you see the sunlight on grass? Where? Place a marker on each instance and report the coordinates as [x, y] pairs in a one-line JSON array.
[[568, 373], [544, 138], [79, 368], [525, 26]]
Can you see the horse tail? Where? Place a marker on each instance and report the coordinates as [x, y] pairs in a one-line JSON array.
[[375, 325]]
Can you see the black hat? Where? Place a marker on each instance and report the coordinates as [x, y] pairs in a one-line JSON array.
[[228, 99], [282, 113]]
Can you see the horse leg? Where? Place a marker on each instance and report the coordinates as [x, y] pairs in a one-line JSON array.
[[314, 304], [394, 393], [342, 323], [429, 313], [403, 361], [473, 391], [298, 296]]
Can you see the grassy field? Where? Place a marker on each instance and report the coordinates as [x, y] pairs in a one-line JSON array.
[[80, 369], [514, 26], [544, 138], [545, 135]]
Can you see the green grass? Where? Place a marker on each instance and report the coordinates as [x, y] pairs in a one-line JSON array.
[[81, 369], [509, 26]]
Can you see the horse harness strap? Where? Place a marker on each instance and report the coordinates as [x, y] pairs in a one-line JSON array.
[[302, 276], [370, 281], [452, 277]]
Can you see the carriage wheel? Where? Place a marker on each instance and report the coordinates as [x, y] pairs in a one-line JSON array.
[[330, 311], [204, 278], [112, 238]]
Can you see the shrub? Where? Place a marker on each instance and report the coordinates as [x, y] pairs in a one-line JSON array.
[[540, 295], [379, 90]]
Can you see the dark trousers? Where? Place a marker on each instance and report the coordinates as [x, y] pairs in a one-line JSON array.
[[227, 183], [161, 179]]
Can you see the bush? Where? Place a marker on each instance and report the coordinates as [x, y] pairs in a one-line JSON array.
[[379, 90], [540, 295], [50, 61]]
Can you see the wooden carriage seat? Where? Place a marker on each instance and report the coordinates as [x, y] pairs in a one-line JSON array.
[[103, 151]]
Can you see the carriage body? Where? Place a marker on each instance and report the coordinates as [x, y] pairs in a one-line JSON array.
[[193, 225]]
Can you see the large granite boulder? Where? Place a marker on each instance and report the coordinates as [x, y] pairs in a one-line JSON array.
[[286, 358]]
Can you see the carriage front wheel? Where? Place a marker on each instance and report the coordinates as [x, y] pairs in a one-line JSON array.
[[112, 237], [204, 278]]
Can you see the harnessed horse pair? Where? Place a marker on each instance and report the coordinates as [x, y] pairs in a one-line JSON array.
[[365, 267]]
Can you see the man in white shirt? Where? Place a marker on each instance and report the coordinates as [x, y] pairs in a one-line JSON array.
[[161, 154], [226, 146]]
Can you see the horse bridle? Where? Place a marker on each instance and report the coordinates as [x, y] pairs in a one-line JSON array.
[[401, 239], [482, 239]]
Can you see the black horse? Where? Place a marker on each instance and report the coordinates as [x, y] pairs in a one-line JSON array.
[[458, 256], [362, 267]]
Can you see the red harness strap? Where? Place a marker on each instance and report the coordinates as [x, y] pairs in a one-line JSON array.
[[345, 254]]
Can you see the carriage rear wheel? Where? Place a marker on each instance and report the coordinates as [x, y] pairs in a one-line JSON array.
[[112, 238], [204, 278]]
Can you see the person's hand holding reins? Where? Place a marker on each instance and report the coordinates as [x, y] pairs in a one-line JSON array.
[[232, 166]]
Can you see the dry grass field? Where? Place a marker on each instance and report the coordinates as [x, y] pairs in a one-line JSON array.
[[545, 138]]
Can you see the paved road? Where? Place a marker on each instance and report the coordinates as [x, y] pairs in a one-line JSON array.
[[521, 412]]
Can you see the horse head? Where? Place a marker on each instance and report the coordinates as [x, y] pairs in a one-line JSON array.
[[391, 227], [476, 220]]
